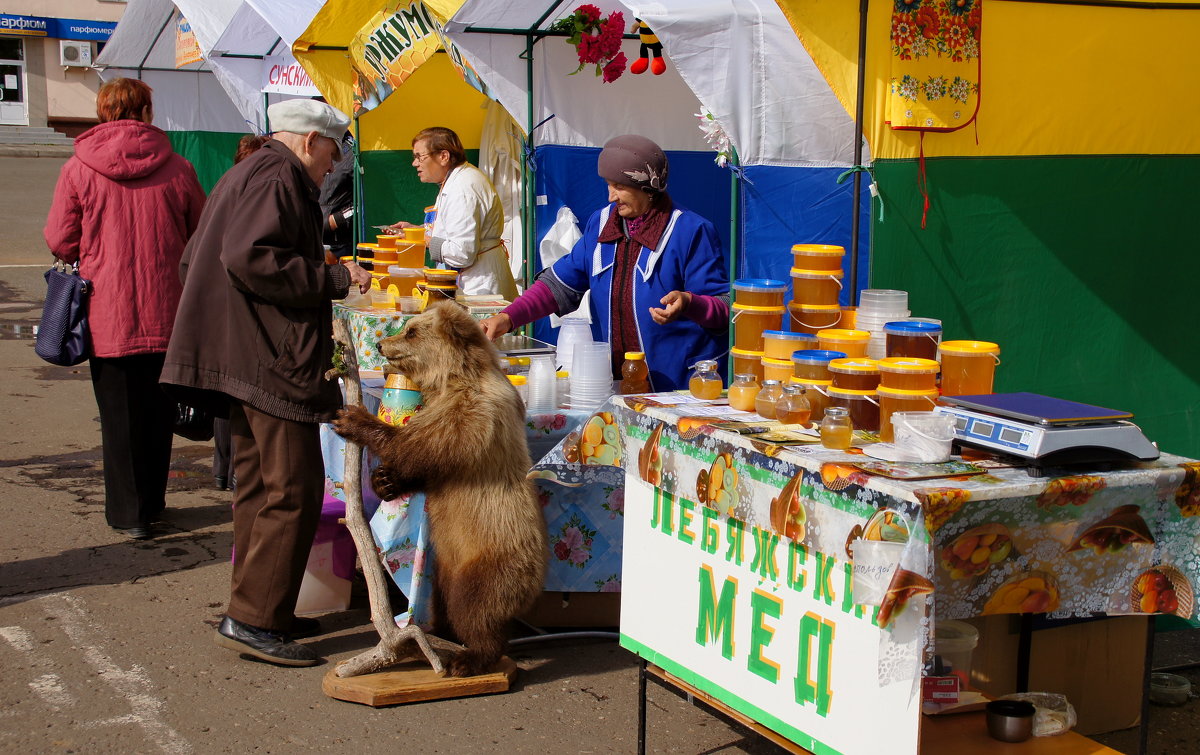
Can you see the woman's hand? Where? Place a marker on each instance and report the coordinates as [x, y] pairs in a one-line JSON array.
[[496, 326], [673, 306], [395, 228], [359, 275]]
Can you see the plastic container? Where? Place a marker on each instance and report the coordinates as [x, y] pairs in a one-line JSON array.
[[863, 407], [410, 254], [968, 367], [793, 408], [747, 362], [882, 300], [743, 391], [853, 342], [953, 643], [384, 257], [562, 387], [759, 292], [406, 278], [817, 393], [439, 276], [1010, 720], [542, 386], [779, 344], [383, 279], [925, 437], [813, 364], [749, 322], [520, 382], [571, 331], [387, 241], [908, 374], [849, 318], [814, 316], [837, 431], [591, 375], [874, 564], [435, 291], [705, 381], [777, 369], [892, 400], [859, 374], [816, 287], [382, 300], [415, 233], [635, 375], [764, 402], [911, 338], [817, 256]]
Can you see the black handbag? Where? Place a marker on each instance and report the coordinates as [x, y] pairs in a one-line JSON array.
[[63, 337], [192, 422]]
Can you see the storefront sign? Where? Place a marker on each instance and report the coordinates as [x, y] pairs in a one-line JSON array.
[[761, 623], [187, 49], [394, 44], [58, 28], [281, 74]]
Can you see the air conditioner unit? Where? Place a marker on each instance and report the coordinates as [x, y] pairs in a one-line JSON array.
[[75, 53]]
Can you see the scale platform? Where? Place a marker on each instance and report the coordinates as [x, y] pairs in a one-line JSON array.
[[1047, 431]]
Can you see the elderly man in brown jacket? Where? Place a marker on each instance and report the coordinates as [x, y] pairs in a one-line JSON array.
[[254, 332]]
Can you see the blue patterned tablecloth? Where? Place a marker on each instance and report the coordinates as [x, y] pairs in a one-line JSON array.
[[584, 521]]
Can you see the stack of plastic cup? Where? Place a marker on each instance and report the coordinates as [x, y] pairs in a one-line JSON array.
[[876, 308], [573, 330], [543, 385], [591, 375]]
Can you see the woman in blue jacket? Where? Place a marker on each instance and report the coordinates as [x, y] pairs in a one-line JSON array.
[[655, 270]]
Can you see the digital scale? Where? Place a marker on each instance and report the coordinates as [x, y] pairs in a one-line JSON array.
[[1049, 432]]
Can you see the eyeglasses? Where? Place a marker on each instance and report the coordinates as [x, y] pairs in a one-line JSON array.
[[418, 157]]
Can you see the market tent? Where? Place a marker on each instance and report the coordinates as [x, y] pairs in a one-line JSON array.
[[1057, 223], [738, 60], [190, 104]]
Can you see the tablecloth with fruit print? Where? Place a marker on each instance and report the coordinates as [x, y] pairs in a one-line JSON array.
[[368, 327], [583, 523], [1109, 543]]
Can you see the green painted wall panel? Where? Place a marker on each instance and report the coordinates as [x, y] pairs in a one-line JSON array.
[[391, 189], [1083, 269], [210, 152]]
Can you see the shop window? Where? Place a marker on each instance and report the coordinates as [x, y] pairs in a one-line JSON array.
[[11, 48]]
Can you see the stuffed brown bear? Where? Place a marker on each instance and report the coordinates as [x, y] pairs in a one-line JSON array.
[[466, 450]]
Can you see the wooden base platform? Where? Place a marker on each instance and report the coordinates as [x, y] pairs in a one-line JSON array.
[[415, 682]]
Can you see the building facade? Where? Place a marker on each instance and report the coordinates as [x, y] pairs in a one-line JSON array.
[[46, 50]]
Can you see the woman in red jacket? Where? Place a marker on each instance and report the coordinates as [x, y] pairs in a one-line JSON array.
[[124, 207]]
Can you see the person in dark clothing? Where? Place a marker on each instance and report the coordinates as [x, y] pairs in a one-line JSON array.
[[337, 202]]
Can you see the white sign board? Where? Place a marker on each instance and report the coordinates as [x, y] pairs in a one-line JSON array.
[[281, 74], [765, 625]]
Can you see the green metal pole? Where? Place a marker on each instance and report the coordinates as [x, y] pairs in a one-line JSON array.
[[528, 230], [356, 228]]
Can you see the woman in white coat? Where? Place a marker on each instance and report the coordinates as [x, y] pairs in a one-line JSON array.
[[464, 227]]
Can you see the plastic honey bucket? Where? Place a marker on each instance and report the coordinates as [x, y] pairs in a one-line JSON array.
[[759, 292], [406, 278], [892, 400], [912, 338], [816, 286], [749, 322], [817, 393], [814, 317], [812, 365], [853, 342], [387, 241], [863, 407], [415, 233], [968, 367], [779, 344], [855, 373], [908, 373], [849, 318], [747, 362], [777, 369], [817, 256], [410, 254]]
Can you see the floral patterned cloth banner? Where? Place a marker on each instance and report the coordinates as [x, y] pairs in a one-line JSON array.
[[979, 539], [935, 64], [583, 523]]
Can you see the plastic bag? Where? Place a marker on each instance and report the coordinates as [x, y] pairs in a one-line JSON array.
[[1054, 714]]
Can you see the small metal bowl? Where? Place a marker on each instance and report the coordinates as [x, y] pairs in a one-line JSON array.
[[1010, 720], [1169, 689]]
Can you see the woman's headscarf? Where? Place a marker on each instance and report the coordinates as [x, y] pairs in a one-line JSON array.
[[635, 161]]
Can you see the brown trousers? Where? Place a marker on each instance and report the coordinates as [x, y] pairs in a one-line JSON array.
[[280, 484]]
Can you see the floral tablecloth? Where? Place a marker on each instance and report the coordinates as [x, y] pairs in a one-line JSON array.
[[1000, 541], [583, 522], [368, 327]]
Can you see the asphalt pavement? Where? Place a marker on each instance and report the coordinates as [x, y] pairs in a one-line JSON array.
[[106, 642]]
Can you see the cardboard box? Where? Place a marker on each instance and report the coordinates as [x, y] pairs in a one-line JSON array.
[[575, 609], [1098, 664]]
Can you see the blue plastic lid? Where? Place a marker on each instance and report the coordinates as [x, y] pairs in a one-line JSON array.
[[817, 356], [909, 327], [790, 334], [759, 284]]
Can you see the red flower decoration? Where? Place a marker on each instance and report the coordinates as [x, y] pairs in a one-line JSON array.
[[597, 40]]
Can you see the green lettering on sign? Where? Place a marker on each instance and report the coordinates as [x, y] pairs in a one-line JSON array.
[[822, 584], [736, 537], [765, 542], [763, 604], [815, 655], [661, 515], [715, 619], [712, 533], [797, 574], [686, 508]]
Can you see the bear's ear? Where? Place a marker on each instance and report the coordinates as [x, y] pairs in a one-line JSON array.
[[457, 327]]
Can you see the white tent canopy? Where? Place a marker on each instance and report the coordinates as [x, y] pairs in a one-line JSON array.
[[740, 60]]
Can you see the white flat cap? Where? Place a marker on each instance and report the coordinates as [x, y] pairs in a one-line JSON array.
[[300, 116]]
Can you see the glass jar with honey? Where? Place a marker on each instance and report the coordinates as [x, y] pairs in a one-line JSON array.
[[705, 382], [764, 402], [836, 428], [744, 391], [793, 408]]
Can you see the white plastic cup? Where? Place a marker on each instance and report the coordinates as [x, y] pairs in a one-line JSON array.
[[875, 562], [543, 384], [954, 641], [572, 331]]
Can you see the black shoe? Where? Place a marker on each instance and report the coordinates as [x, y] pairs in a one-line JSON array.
[[303, 626], [222, 482], [272, 647], [135, 533]]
